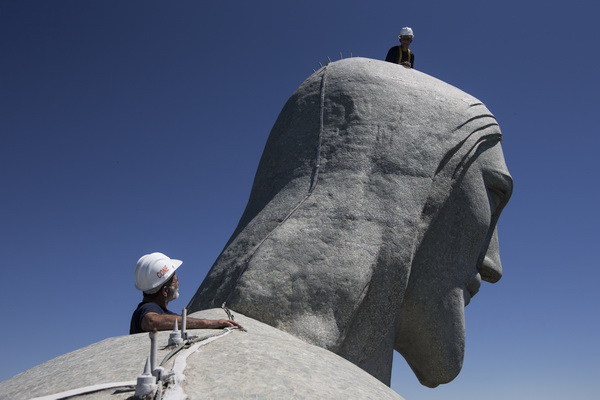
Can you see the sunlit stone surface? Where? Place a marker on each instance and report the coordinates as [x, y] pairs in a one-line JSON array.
[[370, 220]]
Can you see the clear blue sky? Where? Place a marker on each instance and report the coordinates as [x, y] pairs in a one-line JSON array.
[[136, 126]]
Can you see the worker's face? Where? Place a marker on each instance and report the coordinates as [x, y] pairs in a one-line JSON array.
[[173, 292], [406, 40]]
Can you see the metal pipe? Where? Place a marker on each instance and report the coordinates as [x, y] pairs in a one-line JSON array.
[[183, 323], [153, 347]]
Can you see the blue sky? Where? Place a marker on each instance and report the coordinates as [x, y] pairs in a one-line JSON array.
[[137, 126]]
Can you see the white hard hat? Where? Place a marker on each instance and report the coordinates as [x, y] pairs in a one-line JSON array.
[[406, 31], [154, 270]]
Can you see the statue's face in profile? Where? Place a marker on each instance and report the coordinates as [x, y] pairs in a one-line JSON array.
[[457, 252], [379, 189]]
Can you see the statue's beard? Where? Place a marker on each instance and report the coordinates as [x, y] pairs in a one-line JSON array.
[[431, 337]]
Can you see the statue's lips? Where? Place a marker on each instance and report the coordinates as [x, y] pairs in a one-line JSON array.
[[472, 289]]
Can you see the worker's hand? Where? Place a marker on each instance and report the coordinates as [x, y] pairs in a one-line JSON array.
[[406, 64], [227, 323]]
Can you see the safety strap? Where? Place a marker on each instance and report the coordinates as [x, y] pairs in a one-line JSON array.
[[400, 54]]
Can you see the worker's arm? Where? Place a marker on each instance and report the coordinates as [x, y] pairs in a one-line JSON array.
[[164, 322]]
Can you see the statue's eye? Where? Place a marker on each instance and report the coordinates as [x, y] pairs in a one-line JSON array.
[[499, 187], [495, 197]]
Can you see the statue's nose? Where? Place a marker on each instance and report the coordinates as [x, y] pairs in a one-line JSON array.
[[490, 267], [490, 270]]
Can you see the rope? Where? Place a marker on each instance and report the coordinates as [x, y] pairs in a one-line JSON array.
[[85, 390], [195, 339], [315, 174]]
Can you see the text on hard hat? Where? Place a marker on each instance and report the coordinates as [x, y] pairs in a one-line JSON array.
[[163, 271]]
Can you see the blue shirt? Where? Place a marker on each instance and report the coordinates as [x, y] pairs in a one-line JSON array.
[[142, 309]]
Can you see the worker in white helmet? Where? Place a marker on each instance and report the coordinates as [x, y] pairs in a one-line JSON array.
[[401, 54], [155, 276]]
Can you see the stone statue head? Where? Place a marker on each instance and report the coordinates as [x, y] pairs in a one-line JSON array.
[[372, 219]]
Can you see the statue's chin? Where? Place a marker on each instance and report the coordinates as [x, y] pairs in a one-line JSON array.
[[432, 339], [431, 378]]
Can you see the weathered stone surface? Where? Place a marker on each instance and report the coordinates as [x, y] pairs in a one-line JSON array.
[[370, 226], [263, 363], [372, 219]]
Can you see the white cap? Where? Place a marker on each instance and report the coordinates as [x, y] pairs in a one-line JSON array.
[[154, 270], [406, 31]]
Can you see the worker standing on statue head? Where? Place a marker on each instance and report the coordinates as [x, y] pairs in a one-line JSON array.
[[155, 276], [401, 54]]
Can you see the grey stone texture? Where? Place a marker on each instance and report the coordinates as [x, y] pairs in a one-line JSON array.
[[370, 226], [372, 219], [262, 363]]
